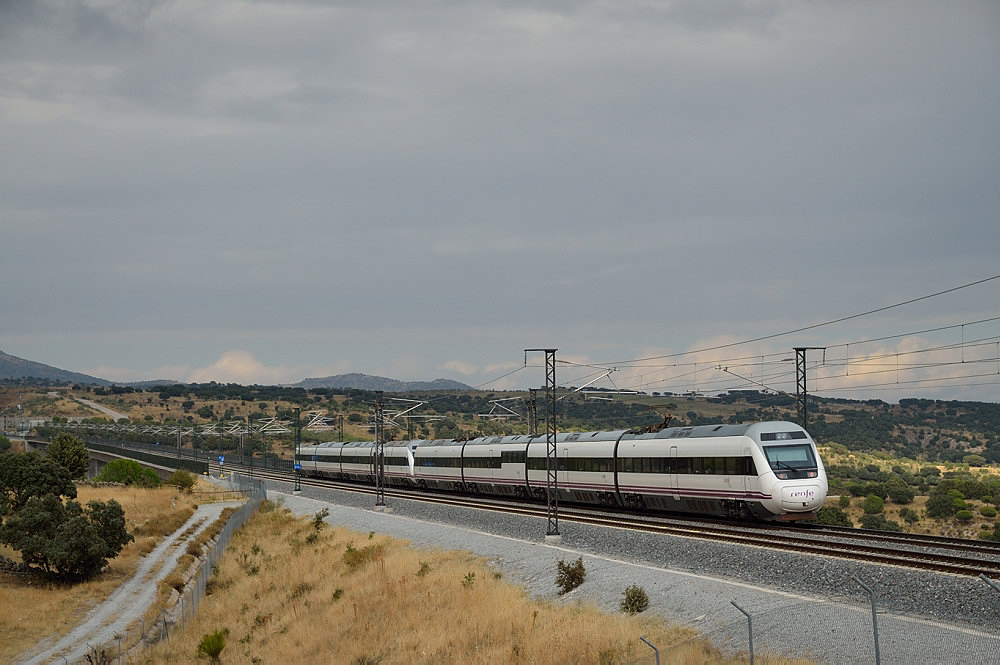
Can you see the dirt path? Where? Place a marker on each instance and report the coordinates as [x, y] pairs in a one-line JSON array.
[[103, 409], [128, 602]]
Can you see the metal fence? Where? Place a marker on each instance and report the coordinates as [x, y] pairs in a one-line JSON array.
[[847, 631], [193, 593], [136, 638], [201, 456]]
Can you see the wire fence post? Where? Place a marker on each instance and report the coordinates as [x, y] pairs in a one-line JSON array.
[[749, 626], [655, 650], [871, 593]]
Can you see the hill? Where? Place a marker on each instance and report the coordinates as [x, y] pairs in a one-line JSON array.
[[13, 368], [369, 382]]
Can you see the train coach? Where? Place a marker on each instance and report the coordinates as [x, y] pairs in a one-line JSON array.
[[765, 470]]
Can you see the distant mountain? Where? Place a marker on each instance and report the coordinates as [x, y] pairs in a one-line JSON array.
[[12, 367], [368, 382]]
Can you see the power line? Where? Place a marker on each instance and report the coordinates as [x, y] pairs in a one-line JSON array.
[[810, 327]]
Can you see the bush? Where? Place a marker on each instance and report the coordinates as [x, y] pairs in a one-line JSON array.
[[128, 472], [570, 575], [940, 504], [988, 511], [909, 515], [182, 480], [974, 460], [879, 523], [211, 645], [899, 491], [964, 515], [635, 600], [844, 501], [833, 516], [873, 504]]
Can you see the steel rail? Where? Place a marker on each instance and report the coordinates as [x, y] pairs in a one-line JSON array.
[[804, 541]]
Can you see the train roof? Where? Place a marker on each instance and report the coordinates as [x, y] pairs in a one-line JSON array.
[[689, 432]]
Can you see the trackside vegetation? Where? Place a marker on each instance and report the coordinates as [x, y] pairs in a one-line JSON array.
[[296, 590]]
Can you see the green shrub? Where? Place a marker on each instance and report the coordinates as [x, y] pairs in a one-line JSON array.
[[635, 600], [988, 511], [182, 480], [879, 523], [909, 515], [964, 515], [570, 575], [940, 504], [873, 504], [844, 501], [833, 516], [317, 520], [128, 472], [211, 645], [899, 491]]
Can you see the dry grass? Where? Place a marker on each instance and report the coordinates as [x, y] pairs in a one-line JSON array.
[[43, 608], [287, 596]]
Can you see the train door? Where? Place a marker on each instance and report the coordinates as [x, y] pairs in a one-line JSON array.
[[672, 469], [749, 482]]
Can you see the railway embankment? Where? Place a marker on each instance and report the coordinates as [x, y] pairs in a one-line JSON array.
[[802, 604]]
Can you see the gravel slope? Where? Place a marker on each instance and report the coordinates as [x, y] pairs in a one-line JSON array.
[[800, 604]]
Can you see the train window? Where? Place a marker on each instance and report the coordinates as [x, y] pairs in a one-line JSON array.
[[512, 457], [790, 458]]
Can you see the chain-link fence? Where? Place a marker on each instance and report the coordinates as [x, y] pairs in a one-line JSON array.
[[846, 631], [136, 637]]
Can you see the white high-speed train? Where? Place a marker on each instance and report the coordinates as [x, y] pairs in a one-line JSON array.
[[766, 470]]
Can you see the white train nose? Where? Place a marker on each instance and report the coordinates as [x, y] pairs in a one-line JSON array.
[[801, 497]]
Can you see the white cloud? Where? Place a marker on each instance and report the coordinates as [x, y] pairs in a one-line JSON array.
[[460, 367]]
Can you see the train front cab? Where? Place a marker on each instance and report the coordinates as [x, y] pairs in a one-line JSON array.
[[792, 472]]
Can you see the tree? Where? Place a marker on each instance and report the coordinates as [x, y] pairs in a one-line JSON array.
[[63, 539], [66, 540], [30, 474], [69, 451], [4, 444]]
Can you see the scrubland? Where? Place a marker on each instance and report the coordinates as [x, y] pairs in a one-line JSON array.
[[288, 591]]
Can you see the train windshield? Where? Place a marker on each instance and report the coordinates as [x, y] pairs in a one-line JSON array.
[[794, 458]]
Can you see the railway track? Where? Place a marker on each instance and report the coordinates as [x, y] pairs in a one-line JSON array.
[[917, 551]]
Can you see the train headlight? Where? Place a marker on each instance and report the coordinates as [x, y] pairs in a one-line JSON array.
[[811, 474], [782, 476]]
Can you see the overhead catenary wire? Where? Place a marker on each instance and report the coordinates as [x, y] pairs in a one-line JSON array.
[[805, 328]]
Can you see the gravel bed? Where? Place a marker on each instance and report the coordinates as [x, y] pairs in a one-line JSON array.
[[801, 604]]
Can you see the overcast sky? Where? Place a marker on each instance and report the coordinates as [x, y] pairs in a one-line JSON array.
[[262, 191]]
